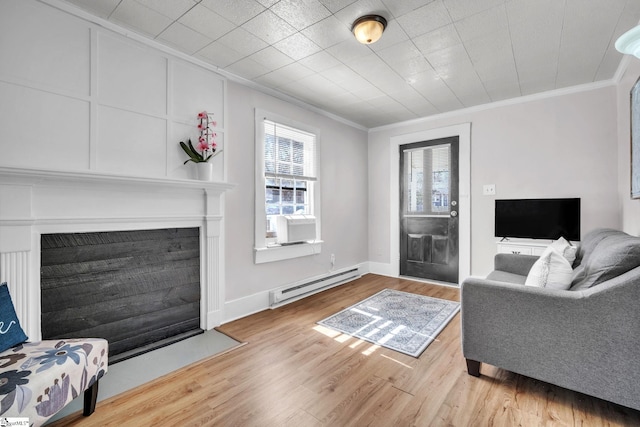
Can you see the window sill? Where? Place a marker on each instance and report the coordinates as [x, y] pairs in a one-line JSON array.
[[279, 253]]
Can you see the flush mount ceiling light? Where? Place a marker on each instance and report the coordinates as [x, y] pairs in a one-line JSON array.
[[629, 42], [368, 29]]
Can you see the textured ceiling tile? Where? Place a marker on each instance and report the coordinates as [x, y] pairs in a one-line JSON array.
[[504, 91], [320, 61], [184, 38], [272, 80], [459, 9], [170, 8], [439, 39], [301, 13], [385, 79], [336, 5], [426, 19], [269, 27], [102, 8], [349, 50], [468, 88], [438, 93], [271, 58], [328, 32], [236, 11], [206, 22], [483, 23], [364, 90], [399, 8], [410, 98], [405, 59], [247, 68], [242, 41], [288, 73], [134, 15], [341, 75], [297, 46], [343, 100], [320, 86], [537, 78], [219, 55], [446, 60], [491, 51], [268, 3]]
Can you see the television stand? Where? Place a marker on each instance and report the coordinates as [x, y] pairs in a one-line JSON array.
[[522, 246]]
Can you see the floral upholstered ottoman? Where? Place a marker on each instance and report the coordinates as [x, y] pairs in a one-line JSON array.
[[37, 379]]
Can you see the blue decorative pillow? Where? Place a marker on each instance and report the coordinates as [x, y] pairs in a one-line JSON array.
[[11, 334]]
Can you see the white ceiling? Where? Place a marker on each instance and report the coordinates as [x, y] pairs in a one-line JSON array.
[[435, 55]]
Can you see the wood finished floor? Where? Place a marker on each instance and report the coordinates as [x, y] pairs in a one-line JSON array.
[[294, 373]]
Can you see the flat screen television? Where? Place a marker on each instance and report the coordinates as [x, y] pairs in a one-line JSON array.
[[538, 218]]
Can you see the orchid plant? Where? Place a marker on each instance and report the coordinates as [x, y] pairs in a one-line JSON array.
[[207, 146]]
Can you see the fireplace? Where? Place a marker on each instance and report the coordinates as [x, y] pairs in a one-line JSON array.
[[138, 289], [36, 203]]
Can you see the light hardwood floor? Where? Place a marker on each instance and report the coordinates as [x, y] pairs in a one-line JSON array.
[[293, 373]]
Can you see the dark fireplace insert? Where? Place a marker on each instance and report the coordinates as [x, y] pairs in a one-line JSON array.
[[139, 289]]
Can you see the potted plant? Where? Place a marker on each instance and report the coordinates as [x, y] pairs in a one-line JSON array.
[[206, 148]]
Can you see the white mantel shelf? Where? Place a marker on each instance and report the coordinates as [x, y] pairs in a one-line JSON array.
[[14, 175]]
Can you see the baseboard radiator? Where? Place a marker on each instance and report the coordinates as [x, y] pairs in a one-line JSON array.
[[296, 291]]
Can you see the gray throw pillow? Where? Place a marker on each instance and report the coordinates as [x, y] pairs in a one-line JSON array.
[[590, 241], [614, 255]]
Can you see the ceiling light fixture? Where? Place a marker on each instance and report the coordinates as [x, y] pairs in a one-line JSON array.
[[629, 42], [369, 28]]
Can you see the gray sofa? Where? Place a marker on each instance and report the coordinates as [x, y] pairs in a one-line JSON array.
[[585, 339]]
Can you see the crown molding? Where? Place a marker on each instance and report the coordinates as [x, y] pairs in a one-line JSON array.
[[498, 104]]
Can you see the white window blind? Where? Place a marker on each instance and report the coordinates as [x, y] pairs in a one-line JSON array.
[[289, 153]]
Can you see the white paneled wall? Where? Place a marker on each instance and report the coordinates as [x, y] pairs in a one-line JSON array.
[[78, 97]]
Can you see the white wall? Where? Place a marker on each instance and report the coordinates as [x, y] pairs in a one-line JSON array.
[[344, 188], [77, 97], [630, 208], [557, 146]]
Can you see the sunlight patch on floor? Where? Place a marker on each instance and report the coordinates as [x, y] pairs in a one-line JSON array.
[[396, 361], [331, 333], [371, 350]]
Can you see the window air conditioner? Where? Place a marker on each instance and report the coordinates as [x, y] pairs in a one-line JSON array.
[[295, 228]]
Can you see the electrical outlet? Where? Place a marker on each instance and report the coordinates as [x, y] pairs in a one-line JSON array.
[[489, 190], [333, 260]]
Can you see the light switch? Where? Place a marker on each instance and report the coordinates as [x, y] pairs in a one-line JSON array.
[[489, 190]]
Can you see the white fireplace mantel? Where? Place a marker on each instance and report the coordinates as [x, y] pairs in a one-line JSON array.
[[36, 202]]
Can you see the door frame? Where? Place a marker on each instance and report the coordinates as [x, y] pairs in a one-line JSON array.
[[463, 132]]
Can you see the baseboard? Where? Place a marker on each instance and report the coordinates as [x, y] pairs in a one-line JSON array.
[[246, 306], [382, 269]]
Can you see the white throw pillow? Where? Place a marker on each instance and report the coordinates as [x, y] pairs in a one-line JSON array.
[[566, 249], [551, 270]]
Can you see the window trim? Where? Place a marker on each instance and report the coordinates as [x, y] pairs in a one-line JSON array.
[[264, 250]]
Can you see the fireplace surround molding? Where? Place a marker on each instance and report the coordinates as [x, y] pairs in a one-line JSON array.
[[36, 202]]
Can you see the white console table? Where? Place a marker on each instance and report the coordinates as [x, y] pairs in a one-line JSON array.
[[523, 246]]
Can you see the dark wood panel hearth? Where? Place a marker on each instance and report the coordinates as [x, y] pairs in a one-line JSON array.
[[138, 289]]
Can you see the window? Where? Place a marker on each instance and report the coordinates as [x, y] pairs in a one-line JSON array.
[[286, 182], [428, 171]]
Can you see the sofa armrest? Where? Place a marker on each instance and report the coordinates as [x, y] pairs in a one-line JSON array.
[[516, 264], [581, 340]]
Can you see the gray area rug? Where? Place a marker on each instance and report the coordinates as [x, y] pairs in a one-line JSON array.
[[397, 320]]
